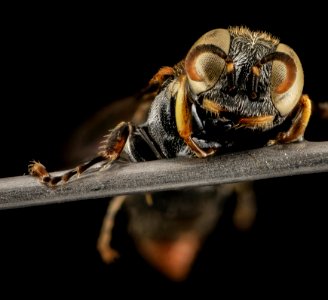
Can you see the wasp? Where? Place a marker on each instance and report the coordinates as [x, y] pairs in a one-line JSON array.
[[235, 89]]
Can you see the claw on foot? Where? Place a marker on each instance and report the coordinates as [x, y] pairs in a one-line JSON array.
[[37, 169]]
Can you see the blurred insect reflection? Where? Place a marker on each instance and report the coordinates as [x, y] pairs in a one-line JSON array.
[[169, 227]]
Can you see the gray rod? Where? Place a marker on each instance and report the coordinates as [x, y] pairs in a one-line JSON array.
[[266, 162]]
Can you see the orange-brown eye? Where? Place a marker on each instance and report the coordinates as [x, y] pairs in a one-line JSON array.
[[206, 60], [287, 79]]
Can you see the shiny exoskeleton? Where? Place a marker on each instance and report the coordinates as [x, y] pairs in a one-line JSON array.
[[235, 89]]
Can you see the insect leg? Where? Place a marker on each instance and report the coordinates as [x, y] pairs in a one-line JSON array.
[[183, 118], [246, 209], [159, 78], [299, 123], [110, 150], [107, 253]]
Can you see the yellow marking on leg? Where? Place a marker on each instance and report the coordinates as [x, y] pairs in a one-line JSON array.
[[212, 106], [259, 122], [299, 123], [183, 120]]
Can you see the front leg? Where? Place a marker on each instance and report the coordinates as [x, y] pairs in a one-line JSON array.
[[183, 119], [299, 123], [110, 151]]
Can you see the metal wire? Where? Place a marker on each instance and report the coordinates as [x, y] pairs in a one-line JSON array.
[[267, 162]]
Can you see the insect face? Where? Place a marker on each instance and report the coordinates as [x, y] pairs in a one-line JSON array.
[[248, 74]]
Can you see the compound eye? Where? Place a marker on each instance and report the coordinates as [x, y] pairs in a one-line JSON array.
[[206, 60], [287, 79]]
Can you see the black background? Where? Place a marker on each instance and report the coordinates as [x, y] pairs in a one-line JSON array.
[[61, 64]]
